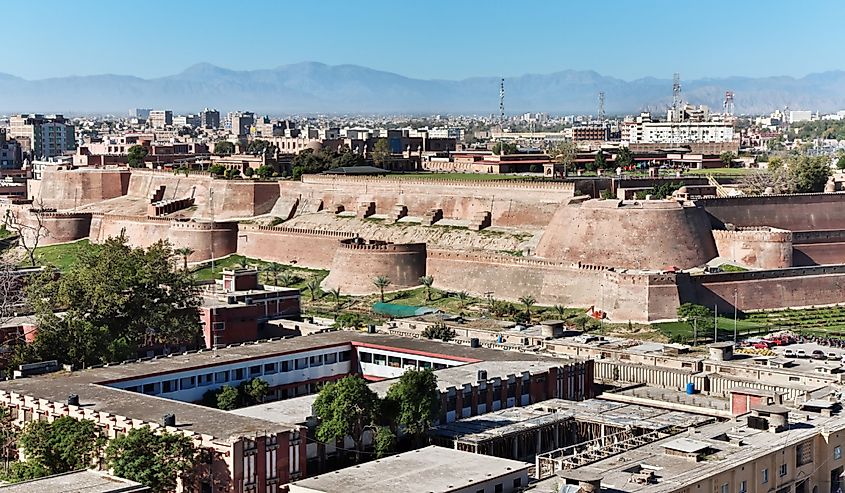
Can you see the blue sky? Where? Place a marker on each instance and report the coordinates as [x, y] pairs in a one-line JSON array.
[[448, 39]]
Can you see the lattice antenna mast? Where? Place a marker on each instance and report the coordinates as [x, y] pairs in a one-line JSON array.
[[601, 106], [676, 96], [729, 103], [502, 102]]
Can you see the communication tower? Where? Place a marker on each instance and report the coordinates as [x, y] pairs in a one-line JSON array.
[[729, 103], [502, 102], [676, 96]]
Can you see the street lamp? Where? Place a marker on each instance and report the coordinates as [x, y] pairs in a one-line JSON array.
[[735, 310]]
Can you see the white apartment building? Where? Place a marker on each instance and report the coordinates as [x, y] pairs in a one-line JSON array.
[[644, 130], [161, 118], [42, 136]]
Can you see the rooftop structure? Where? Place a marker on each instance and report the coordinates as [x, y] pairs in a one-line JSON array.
[[85, 481], [430, 469]]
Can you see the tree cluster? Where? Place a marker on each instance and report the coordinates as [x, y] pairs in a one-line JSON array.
[[136, 155], [502, 148], [797, 173], [660, 191], [350, 408], [224, 147], [309, 161], [113, 302], [439, 331], [248, 393]]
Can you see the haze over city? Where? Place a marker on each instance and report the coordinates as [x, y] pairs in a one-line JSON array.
[[448, 247]]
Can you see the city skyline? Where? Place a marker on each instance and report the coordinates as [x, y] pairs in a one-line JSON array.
[[443, 41]]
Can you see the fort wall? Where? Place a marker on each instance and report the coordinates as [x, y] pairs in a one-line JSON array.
[[637, 297], [796, 212], [63, 189], [759, 248], [307, 248], [767, 289], [635, 235], [356, 264], [511, 203], [61, 227]]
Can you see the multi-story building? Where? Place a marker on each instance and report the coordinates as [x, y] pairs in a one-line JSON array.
[[191, 120], [645, 130], [10, 153], [796, 116], [141, 113], [242, 122], [210, 118], [42, 136], [161, 118]]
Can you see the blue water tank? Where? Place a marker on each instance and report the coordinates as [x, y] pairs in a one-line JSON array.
[[690, 388]]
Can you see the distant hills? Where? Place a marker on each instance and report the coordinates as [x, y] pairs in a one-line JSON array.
[[311, 87]]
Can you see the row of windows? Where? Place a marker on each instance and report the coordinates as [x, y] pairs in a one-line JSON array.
[[397, 362], [240, 374]]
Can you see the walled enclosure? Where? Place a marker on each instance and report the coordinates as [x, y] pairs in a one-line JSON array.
[[357, 262], [758, 248], [799, 212], [649, 234], [62, 189]]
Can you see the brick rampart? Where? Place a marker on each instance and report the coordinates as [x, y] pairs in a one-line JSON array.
[[305, 247], [759, 248], [64, 189], [795, 212], [355, 265]]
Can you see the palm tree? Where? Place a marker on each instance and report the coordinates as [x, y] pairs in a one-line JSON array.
[[335, 293], [313, 287], [381, 282], [462, 297], [528, 301], [287, 278], [244, 263], [273, 270], [560, 310], [427, 281], [184, 252]]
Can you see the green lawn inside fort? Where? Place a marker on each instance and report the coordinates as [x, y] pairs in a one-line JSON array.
[[299, 275], [462, 176], [721, 171], [62, 256]]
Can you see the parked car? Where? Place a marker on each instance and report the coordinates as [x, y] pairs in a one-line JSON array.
[[801, 353], [789, 353], [818, 354], [832, 356], [761, 345]]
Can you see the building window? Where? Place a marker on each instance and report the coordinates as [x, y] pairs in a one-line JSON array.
[[255, 370], [249, 469], [409, 363], [316, 360], [152, 388], [743, 486], [344, 355], [205, 379], [271, 368], [499, 488], [517, 483], [301, 363], [187, 383], [286, 366], [837, 452], [330, 358], [764, 476], [270, 464], [170, 386], [380, 359], [221, 377], [726, 488], [782, 470], [239, 374], [425, 364], [366, 357], [394, 361]]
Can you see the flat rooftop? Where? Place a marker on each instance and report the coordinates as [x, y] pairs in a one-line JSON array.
[[513, 420], [86, 481], [91, 384], [431, 469], [725, 445]]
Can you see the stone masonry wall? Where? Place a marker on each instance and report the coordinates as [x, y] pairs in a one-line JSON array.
[[355, 266], [759, 248], [307, 248]]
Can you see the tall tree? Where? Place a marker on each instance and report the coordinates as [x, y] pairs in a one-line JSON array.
[[564, 154], [381, 152], [528, 301], [184, 252], [600, 162], [313, 286], [273, 270], [427, 281], [29, 226], [624, 158], [64, 445], [116, 299], [156, 460], [416, 399], [381, 282], [224, 147], [346, 408], [135, 156], [809, 174], [727, 158]]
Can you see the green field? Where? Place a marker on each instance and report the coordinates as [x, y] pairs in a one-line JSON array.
[[721, 171], [459, 176], [62, 256], [204, 272], [683, 332]]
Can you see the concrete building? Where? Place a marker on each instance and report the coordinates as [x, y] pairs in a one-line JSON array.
[[87, 481], [42, 136], [796, 116], [10, 153], [191, 120], [160, 119], [431, 469], [141, 113], [210, 118], [242, 122]]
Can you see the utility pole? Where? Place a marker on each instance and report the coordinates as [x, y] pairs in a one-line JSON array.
[[735, 315], [715, 323], [695, 331], [211, 208]]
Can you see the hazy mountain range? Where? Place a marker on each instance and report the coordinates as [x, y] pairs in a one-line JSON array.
[[317, 88]]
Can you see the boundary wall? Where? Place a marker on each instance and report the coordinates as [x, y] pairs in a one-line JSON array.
[[759, 248], [314, 249], [356, 264], [794, 212]]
